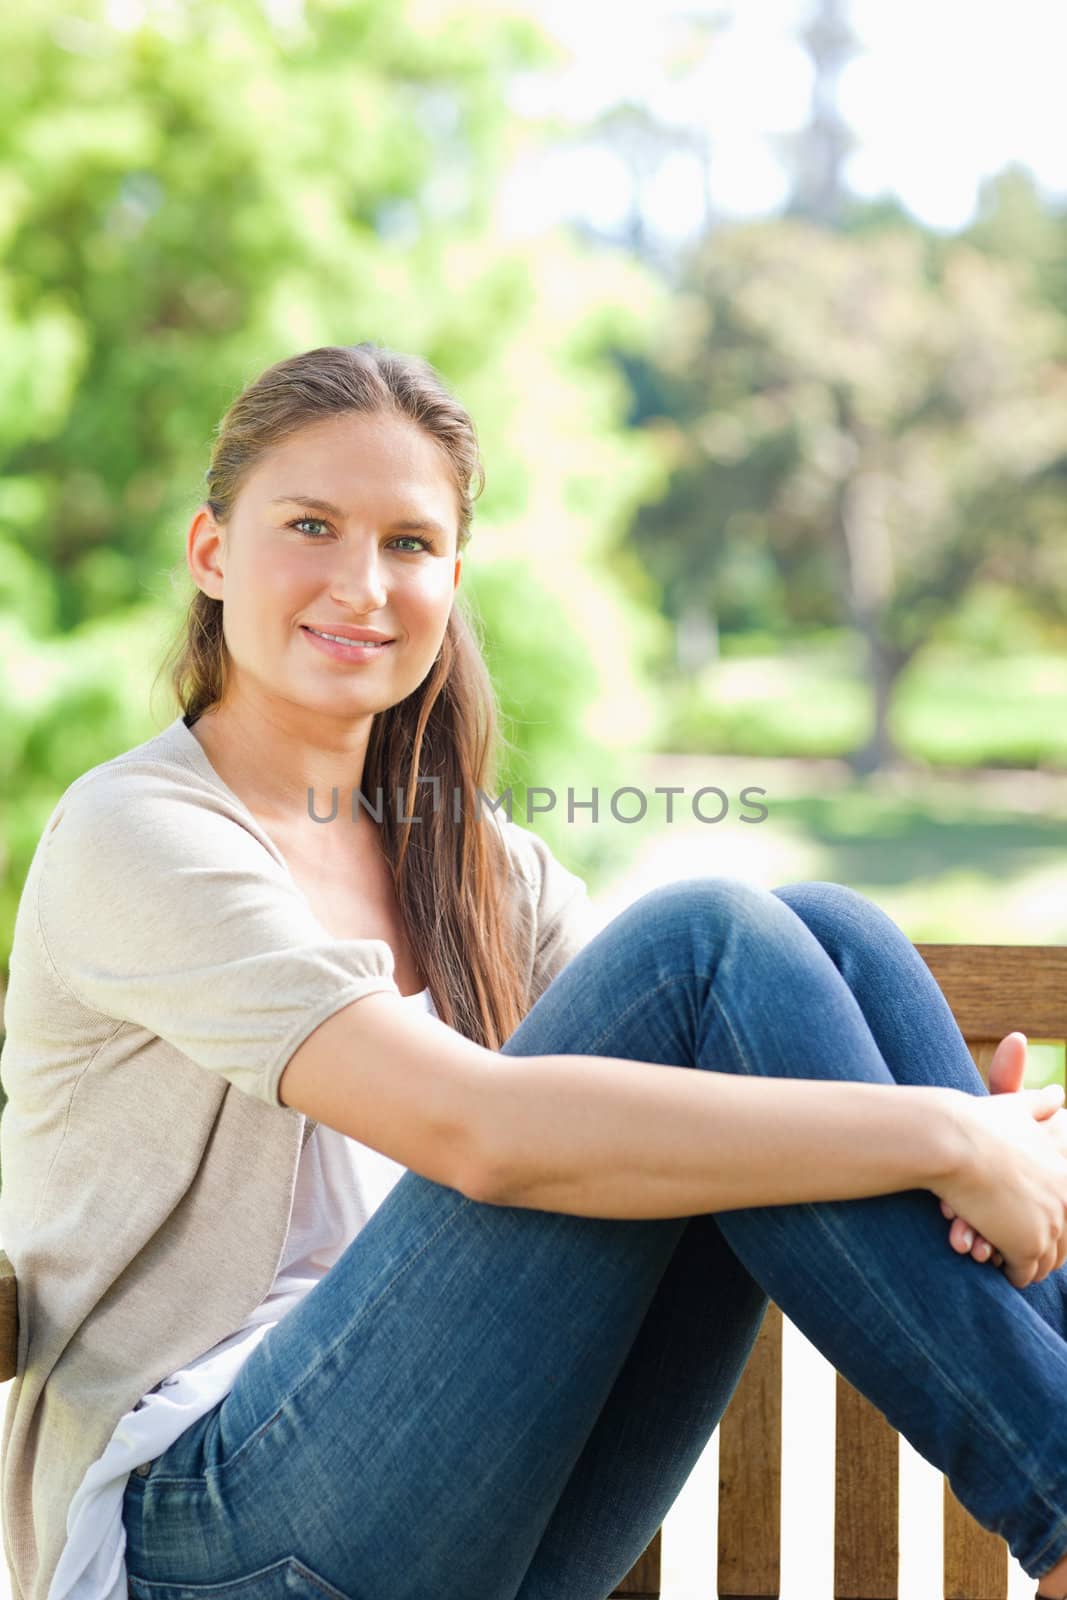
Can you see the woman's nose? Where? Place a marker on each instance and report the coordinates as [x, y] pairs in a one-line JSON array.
[[358, 582]]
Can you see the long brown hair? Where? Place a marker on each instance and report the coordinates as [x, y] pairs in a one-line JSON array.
[[452, 878]]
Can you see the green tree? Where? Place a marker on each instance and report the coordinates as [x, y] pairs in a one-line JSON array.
[[198, 191], [1015, 223], [877, 420]]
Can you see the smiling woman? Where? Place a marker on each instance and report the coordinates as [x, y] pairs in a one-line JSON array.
[[377, 1227], [324, 644], [340, 503]]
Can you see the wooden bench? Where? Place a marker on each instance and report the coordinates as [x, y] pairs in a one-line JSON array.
[[992, 990]]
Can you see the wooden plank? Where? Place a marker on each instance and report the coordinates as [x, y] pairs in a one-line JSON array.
[[994, 989], [982, 1052], [975, 1560], [9, 1320], [750, 1473], [643, 1581], [866, 1500]]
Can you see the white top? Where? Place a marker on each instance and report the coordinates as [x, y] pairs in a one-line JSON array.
[[339, 1184]]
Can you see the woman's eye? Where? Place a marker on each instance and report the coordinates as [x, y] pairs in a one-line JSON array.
[[410, 539]]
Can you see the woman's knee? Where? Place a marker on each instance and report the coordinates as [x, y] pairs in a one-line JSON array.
[[835, 912], [704, 903], [838, 916]]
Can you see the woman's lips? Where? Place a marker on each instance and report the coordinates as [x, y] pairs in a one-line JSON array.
[[356, 653]]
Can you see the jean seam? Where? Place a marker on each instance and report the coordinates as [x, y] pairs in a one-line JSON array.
[[323, 1358], [642, 1000], [320, 1583], [1060, 1529], [289, 1562], [1002, 1433], [373, 1305]]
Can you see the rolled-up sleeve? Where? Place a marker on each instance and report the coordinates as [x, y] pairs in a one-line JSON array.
[[158, 907]]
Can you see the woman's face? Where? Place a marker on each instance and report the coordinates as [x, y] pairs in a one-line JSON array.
[[283, 564]]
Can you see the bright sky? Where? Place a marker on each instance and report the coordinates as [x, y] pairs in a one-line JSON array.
[[945, 93]]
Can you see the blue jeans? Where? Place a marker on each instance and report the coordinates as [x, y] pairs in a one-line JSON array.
[[483, 1402]]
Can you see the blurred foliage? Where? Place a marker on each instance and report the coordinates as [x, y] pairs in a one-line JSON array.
[[858, 432], [958, 705], [862, 427], [189, 197], [1017, 224]]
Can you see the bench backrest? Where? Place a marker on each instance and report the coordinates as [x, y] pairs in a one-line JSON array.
[[992, 990], [9, 1319]]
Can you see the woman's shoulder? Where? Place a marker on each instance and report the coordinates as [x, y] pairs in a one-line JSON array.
[[160, 768], [533, 859], [522, 849]]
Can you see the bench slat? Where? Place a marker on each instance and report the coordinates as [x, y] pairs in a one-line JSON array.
[[9, 1320], [750, 1473], [994, 989], [866, 1499], [975, 1561]]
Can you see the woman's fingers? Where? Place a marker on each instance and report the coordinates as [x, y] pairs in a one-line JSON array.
[[961, 1237], [964, 1239]]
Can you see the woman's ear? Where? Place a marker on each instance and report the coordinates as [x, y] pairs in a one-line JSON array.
[[205, 552]]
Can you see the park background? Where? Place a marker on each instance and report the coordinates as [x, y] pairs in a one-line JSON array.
[[761, 313]]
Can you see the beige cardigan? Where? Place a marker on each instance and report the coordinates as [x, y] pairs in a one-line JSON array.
[[165, 967]]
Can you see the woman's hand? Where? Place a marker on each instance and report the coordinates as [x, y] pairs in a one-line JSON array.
[[1011, 1177], [962, 1237], [1006, 1073]]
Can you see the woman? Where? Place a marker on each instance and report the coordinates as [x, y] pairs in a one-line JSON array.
[[374, 1235]]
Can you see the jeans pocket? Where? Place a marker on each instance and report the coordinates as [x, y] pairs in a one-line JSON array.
[[283, 1580]]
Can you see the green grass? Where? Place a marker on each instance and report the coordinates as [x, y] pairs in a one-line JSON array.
[[809, 697]]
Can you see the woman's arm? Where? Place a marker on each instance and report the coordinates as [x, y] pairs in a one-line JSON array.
[[602, 1136]]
